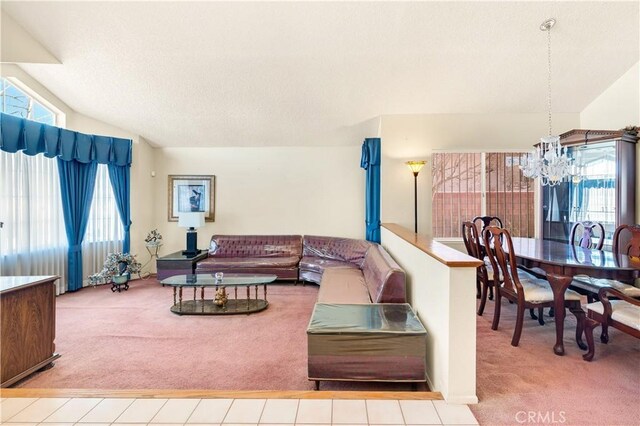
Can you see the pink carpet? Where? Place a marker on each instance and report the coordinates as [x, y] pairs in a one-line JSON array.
[[131, 340], [556, 390]]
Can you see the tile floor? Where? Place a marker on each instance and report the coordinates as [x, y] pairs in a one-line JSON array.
[[228, 412]]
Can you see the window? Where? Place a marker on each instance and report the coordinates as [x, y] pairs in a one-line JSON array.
[[33, 239], [465, 185], [16, 102]]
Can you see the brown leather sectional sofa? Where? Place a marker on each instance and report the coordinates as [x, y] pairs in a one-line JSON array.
[[348, 270]]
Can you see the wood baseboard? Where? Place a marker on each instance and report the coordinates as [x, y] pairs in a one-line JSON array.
[[177, 393]]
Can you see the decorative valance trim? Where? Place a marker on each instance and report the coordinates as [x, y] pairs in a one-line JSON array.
[[19, 134]]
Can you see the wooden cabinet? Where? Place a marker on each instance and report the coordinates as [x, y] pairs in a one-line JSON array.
[[28, 326], [602, 189]]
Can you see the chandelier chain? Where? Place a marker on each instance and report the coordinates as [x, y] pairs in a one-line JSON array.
[[549, 78]]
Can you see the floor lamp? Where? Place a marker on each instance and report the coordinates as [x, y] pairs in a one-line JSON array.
[[415, 167]]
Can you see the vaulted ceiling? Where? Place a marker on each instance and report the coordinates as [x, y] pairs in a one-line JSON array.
[[304, 73]]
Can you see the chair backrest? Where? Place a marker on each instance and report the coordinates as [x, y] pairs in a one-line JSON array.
[[586, 235], [500, 259], [471, 239], [627, 244], [487, 221]]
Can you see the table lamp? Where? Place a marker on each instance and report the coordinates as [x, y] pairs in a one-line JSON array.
[[191, 220]]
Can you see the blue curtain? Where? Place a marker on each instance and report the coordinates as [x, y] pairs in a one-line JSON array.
[[30, 137], [78, 156], [77, 181], [119, 176], [370, 161]]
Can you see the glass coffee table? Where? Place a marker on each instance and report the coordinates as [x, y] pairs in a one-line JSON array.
[[225, 299]]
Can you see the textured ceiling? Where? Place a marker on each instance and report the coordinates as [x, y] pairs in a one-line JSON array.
[[307, 73]]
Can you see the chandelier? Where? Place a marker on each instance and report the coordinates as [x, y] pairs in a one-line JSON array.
[[549, 161]]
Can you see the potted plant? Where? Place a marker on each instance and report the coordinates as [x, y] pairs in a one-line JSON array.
[[117, 268], [154, 239]]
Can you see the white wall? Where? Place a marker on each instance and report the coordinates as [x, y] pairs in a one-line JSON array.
[[445, 301], [275, 190], [415, 137], [615, 108]]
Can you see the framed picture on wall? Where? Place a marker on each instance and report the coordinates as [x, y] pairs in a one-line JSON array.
[[194, 193]]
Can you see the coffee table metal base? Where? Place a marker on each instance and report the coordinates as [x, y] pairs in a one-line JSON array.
[[208, 307]]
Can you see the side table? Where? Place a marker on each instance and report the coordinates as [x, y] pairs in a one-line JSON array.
[[177, 264]]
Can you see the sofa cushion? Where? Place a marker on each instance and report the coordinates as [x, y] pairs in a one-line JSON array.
[[248, 262], [253, 246], [332, 248], [319, 264], [343, 285], [383, 277]]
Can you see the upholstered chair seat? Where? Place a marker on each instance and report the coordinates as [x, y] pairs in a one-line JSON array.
[[538, 291], [621, 311], [590, 283]]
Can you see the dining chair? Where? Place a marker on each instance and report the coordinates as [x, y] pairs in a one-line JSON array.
[[484, 272], [626, 242], [622, 314], [487, 221], [520, 287], [584, 231], [581, 235]]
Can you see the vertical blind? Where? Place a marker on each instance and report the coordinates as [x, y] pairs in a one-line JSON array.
[[458, 192]]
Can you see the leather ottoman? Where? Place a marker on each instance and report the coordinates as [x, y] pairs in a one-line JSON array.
[[366, 342]]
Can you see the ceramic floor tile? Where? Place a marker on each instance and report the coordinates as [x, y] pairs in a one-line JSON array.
[[349, 411], [280, 411], [210, 411], [125, 424], [58, 424], [107, 410], [141, 411], [12, 406], [19, 424], [280, 424], [176, 410], [384, 412], [164, 424], [73, 410], [314, 411], [96, 424], [245, 411], [204, 424], [419, 413], [455, 414], [39, 410], [240, 424]]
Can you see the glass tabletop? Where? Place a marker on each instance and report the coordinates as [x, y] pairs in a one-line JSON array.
[[228, 280]]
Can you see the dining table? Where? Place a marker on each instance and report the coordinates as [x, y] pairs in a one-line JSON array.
[[562, 261]]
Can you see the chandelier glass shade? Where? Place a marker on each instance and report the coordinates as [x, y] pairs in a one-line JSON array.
[[549, 161]]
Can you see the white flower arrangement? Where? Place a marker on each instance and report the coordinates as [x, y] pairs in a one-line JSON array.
[[154, 238], [116, 265]]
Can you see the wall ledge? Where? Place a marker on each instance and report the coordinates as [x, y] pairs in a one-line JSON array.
[[442, 253]]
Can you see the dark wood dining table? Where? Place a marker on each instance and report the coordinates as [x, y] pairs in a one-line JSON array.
[[562, 262]]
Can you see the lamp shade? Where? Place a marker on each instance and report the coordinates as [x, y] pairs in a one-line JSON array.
[[191, 220], [415, 166]]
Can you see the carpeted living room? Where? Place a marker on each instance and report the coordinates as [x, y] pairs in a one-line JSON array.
[[254, 212]]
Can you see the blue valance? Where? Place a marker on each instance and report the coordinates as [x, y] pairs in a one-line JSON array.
[[19, 134]]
